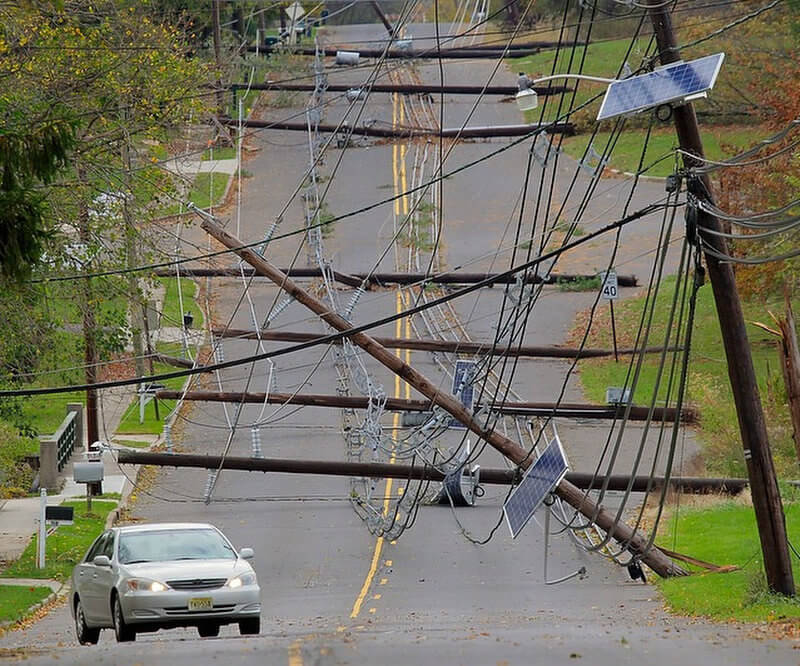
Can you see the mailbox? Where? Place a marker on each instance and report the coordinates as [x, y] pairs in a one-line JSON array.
[[61, 515], [87, 472]]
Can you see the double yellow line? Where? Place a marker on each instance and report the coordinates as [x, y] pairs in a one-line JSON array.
[[402, 329]]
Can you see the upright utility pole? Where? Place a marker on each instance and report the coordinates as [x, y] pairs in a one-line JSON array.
[[757, 453], [217, 38]]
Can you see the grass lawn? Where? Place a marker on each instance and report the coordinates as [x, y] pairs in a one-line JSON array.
[[208, 189], [725, 534], [171, 312], [66, 546], [16, 599], [719, 143], [220, 153], [129, 425], [709, 388]]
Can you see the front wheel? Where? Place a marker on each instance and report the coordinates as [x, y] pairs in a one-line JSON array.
[[249, 627], [86, 635], [208, 630], [122, 631]]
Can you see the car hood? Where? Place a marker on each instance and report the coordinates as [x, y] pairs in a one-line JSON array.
[[186, 569]]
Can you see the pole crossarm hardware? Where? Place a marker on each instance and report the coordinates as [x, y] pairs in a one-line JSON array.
[[462, 53], [542, 409], [446, 346], [634, 541], [407, 88], [379, 279], [752, 424], [478, 132], [489, 476]]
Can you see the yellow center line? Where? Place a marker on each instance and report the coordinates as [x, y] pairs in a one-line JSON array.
[[403, 148], [376, 555], [396, 178], [295, 654]]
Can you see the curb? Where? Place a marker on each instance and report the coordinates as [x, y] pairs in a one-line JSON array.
[[127, 490]]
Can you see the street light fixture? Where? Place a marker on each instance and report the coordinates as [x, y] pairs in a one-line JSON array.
[[527, 100]]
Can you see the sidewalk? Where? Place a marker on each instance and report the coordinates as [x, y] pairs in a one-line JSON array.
[[19, 517]]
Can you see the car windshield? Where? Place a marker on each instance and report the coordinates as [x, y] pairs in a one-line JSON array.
[[170, 545]]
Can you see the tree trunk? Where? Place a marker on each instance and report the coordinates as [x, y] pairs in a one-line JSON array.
[[790, 364]]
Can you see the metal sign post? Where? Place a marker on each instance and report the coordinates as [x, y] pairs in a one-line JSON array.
[[40, 560], [610, 292]]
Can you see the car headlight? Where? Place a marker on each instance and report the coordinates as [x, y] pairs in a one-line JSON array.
[[243, 579], [144, 585]]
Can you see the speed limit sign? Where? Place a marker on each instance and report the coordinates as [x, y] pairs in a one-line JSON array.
[[610, 289]]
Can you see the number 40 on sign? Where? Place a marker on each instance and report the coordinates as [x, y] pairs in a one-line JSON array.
[[610, 289]]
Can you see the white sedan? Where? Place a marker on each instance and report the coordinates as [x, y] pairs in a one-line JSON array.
[[144, 578]]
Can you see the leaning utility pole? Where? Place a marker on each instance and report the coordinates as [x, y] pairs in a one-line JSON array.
[[631, 539], [752, 425]]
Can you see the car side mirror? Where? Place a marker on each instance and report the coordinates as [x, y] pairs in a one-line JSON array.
[[246, 553], [101, 561]]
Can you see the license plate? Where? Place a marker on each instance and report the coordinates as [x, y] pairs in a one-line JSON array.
[[200, 603]]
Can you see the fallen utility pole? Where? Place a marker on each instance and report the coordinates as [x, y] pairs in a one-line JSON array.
[[381, 279], [445, 346], [411, 54], [386, 23], [489, 476], [543, 409], [632, 540], [752, 425], [478, 132], [407, 88]]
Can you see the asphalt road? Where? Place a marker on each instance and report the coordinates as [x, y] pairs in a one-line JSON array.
[[332, 592]]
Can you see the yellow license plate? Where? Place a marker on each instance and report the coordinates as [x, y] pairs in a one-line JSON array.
[[200, 603]]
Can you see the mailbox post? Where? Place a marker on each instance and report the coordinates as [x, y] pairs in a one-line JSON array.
[[89, 472]]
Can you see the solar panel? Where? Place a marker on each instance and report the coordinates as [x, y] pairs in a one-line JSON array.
[[463, 387], [680, 81], [540, 479]]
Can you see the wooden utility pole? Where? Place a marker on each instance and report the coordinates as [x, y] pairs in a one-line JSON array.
[[386, 23], [633, 541], [488, 476], [217, 38], [89, 322], [752, 425], [541, 409]]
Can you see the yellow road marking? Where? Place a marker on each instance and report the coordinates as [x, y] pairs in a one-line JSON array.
[[395, 177], [384, 581], [295, 654], [376, 596], [376, 555], [403, 148]]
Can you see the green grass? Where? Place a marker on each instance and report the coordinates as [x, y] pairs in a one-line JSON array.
[[208, 189], [171, 313], [709, 388], [726, 535], [719, 143], [220, 153], [132, 443], [16, 599], [129, 424], [66, 546]]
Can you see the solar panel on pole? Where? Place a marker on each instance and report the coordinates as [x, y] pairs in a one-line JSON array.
[[678, 82], [539, 481]]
